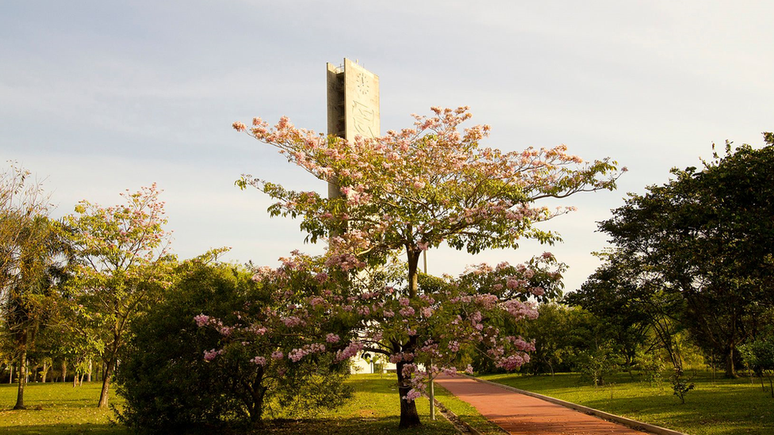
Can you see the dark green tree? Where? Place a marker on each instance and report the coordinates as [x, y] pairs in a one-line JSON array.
[[707, 236], [630, 300]]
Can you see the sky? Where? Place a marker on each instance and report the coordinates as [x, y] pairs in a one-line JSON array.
[[97, 97]]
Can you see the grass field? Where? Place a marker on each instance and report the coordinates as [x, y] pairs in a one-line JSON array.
[[61, 409], [719, 407], [57, 408]]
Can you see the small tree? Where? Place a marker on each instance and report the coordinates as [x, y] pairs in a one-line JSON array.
[[415, 189], [122, 263]]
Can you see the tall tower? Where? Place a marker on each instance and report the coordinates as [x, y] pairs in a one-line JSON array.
[[353, 105]]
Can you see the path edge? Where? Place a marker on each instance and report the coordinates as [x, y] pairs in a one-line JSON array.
[[445, 412], [634, 424]]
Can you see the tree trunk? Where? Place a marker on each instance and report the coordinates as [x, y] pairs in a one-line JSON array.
[[43, 375], [10, 377], [409, 417], [64, 370], [109, 365], [103, 395], [413, 273], [730, 371], [22, 380], [90, 368]]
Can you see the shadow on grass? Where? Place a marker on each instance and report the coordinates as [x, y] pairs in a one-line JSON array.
[[352, 425], [344, 426], [66, 429]]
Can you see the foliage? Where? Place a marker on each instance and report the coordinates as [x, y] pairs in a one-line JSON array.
[[625, 295], [32, 265], [413, 190], [681, 386], [706, 238], [598, 364], [122, 262], [758, 355], [651, 366], [169, 356]]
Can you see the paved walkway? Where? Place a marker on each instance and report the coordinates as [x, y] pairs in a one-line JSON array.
[[521, 414]]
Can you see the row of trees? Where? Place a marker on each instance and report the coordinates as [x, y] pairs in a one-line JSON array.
[[690, 257], [688, 278], [695, 254], [70, 287], [404, 193]]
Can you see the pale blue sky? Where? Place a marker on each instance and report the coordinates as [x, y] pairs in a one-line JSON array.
[[100, 96]]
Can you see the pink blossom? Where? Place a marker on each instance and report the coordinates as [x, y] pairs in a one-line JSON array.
[[259, 360], [201, 320], [210, 355], [292, 321], [349, 351], [277, 354], [412, 395], [406, 312], [332, 338]]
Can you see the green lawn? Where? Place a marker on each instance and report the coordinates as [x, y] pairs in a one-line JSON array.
[[57, 408], [374, 409], [720, 407]]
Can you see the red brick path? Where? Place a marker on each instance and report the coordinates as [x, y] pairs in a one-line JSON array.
[[520, 414]]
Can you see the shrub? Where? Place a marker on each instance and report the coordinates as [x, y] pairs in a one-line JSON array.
[[170, 387]]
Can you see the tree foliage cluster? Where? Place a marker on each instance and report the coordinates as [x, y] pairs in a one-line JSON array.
[[693, 257]]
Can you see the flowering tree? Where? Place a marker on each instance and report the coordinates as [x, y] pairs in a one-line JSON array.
[[240, 359], [415, 189], [310, 312], [122, 253]]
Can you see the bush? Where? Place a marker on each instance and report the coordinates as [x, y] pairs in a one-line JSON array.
[[168, 385], [598, 364], [759, 357]]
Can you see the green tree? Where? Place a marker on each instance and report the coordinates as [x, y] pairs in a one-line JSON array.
[[122, 265], [631, 301], [707, 236], [551, 331], [758, 355]]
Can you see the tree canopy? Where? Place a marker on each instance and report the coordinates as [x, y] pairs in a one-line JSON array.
[[708, 236]]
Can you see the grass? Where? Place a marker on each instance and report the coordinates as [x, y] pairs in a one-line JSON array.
[[374, 409], [466, 413], [57, 408], [719, 407]]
